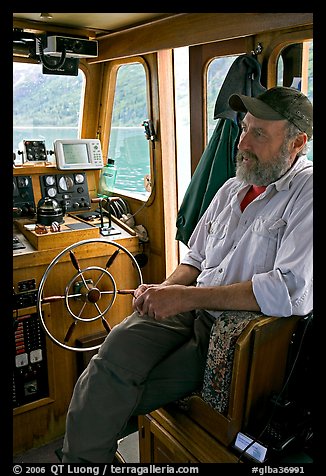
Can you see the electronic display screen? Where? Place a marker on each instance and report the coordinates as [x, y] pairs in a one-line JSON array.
[[75, 154]]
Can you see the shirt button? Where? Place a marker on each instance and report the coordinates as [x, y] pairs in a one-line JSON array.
[[220, 270]]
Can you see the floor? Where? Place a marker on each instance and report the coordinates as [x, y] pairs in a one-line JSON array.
[[128, 448]]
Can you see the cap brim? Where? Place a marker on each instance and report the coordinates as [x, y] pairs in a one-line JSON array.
[[256, 107]]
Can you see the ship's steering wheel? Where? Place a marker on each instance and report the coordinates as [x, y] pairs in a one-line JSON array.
[[89, 294]]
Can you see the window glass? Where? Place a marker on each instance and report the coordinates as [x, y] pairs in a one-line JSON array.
[[45, 107], [216, 72], [295, 68], [128, 145]]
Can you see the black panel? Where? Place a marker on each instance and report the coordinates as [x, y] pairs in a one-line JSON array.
[[70, 190], [23, 196]]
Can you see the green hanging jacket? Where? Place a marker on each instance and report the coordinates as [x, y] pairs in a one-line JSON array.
[[217, 164], [214, 168]]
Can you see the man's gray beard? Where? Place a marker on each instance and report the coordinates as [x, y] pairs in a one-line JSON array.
[[261, 174]]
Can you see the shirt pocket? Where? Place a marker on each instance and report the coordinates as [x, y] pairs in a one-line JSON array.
[[267, 233], [215, 245], [216, 230]]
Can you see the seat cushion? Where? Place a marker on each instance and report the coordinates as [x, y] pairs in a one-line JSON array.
[[218, 371]]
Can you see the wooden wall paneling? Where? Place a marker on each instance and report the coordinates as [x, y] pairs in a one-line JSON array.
[[168, 150], [273, 43], [92, 102], [151, 216], [186, 29]]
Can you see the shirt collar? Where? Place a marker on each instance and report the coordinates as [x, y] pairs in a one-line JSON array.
[[284, 182]]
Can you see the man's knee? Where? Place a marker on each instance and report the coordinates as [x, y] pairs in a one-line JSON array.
[[119, 343]]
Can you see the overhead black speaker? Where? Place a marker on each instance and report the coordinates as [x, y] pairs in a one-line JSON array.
[[69, 67]]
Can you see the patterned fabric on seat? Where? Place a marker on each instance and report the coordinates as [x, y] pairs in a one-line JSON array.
[[218, 371]]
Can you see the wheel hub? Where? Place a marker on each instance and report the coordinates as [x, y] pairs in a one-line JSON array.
[[93, 295]]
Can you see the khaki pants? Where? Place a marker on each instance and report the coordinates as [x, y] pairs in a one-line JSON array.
[[142, 365]]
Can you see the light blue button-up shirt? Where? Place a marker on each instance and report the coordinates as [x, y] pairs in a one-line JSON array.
[[270, 242]]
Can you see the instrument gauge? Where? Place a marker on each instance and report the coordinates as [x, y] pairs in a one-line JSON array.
[[49, 180], [22, 182], [79, 178], [66, 183], [51, 192]]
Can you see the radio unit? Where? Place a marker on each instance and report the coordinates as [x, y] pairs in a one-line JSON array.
[[74, 47]]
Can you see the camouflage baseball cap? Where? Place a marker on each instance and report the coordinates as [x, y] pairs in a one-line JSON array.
[[276, 104]]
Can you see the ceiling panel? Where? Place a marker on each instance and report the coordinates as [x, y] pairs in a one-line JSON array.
[[99, 22]]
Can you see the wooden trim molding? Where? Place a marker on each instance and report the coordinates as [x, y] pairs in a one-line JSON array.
[[186, 29]]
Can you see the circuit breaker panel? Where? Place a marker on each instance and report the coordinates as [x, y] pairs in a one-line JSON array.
[[30, 376]]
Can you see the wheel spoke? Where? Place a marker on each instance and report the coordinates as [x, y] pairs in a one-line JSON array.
[[83, 307], [57, 298], [70, 331], [76, 265], [126, 291], [74, 260], [111, 259], [120, 291], [105, 323], [108, 264]]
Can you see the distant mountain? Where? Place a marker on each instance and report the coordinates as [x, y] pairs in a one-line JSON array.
[[55, 100]]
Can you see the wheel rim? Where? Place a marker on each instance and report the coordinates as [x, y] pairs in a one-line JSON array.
[[90, 294]]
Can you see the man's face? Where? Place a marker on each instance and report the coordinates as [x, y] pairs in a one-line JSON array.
[[263, 156]]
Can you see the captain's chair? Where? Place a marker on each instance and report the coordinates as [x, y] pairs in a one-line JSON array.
[[247, 365]]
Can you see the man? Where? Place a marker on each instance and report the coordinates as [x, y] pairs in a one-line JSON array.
[[251, 250]]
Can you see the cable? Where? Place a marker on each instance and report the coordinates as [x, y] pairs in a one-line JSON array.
[[49, 65]]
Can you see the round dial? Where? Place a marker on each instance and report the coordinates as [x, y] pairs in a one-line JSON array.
[[52, 192], [22, 182], [79, 178], [49, 180], [66, 183]]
